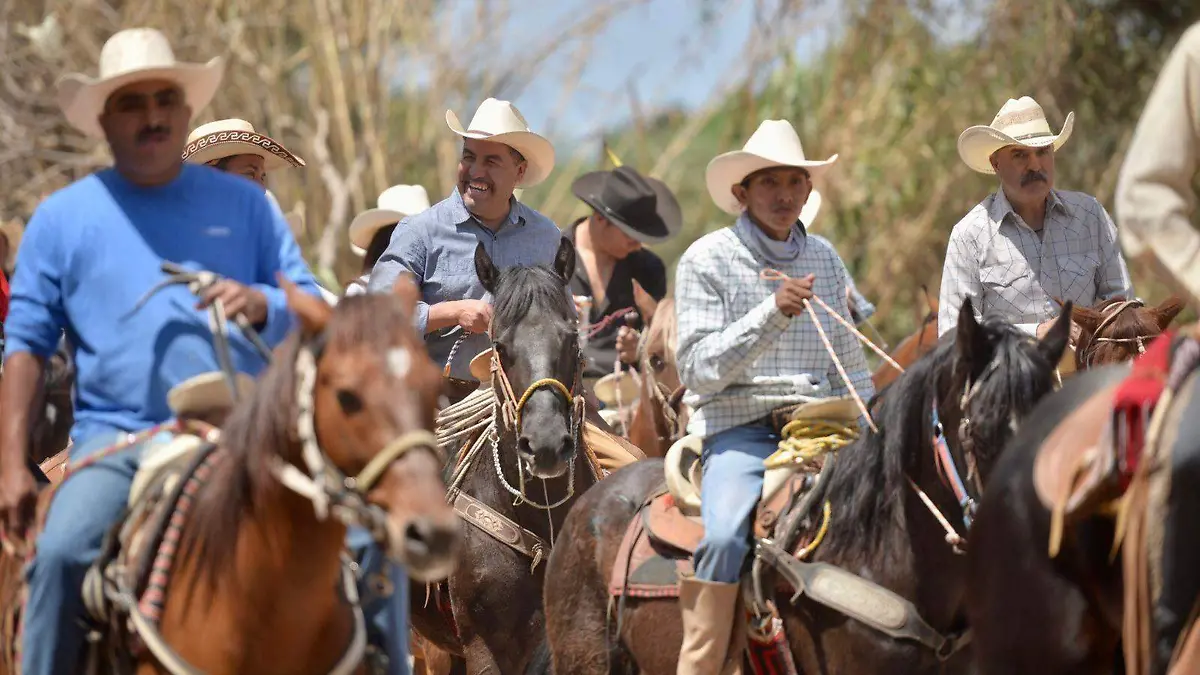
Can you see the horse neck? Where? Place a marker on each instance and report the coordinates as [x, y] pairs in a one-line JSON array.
[[650, 428]]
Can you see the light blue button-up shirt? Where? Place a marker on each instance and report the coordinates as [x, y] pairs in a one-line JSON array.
[[438, 247]]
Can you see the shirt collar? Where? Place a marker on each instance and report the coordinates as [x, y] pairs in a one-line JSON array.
[[458, 209], [1001, 207]]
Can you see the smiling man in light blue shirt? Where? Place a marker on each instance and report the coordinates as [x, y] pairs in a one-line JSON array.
[[437, 246]]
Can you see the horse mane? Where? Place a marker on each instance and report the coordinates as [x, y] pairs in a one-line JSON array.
[[519, 289], [264, 426], [868, 483]]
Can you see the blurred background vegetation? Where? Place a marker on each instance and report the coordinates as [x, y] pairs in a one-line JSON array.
[[359, 88]]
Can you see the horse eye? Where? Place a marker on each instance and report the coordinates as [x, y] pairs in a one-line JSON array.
[[657, 363], [349, 401]]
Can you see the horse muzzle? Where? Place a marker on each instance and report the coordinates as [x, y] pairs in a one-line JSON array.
[[427, 547]]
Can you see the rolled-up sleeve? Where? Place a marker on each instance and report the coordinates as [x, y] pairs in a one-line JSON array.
[[36, 316], [1155, 200], [406, 252], [960, 276]]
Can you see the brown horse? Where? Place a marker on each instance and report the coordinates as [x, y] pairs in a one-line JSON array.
[[910, 348], [660, 416], [255, 579], [1067, 615], [516, 480], [986, 378]]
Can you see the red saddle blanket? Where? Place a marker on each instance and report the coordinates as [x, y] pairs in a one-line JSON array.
[[1135, 399]]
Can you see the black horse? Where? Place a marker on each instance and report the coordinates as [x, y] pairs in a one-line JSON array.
[[982, 379]]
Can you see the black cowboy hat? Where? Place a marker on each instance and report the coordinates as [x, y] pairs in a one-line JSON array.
[[642, 207]]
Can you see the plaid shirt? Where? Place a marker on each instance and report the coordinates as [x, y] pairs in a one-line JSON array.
[[1007, 269], [739, 356]]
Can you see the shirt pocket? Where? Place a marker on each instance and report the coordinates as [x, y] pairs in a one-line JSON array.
[[1006, 289], [1077, 274]]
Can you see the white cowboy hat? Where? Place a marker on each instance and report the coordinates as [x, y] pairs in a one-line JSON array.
[[812, 207], [500, 121], [774, 143], [206, 392], [608, 387], [394, 204], [1020, 122], [229, 137], [133, 55]]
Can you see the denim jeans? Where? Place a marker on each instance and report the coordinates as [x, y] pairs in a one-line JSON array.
[[387, 616], [729, 492]]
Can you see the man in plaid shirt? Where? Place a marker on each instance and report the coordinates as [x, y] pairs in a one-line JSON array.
[[746, 348], [1027, 243]]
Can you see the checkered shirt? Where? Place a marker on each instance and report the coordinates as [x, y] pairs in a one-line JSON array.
[[739, 356], [995, 259]]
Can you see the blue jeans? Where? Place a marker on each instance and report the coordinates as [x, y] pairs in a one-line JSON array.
[[84, 509], [729, 491]]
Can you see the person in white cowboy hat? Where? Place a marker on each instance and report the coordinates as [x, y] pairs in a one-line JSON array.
[[1156, 207], [628, 211], [437, 246], [90, 251], [746, 348], [371, 231], [1027, 244], [232, 145]]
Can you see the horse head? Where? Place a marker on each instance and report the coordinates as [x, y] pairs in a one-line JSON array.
[[1117, 329], [535, 346], [367, 393]]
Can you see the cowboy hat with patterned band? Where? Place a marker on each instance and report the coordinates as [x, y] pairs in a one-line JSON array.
[[644, 208], [1020, 122], [230, 137], [395, 204], [134, 55], [501, 122], [775, 143]]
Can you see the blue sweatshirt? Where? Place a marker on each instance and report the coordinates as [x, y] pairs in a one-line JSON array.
[[94, 248]]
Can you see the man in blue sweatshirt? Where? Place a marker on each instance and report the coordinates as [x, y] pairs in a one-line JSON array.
[[89, 253]]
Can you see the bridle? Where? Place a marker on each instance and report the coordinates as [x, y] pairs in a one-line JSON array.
[[325, 485], [666, 399], [1110, 314]]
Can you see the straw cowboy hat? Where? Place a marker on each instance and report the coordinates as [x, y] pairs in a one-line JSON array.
[[206, 392], [229, 137], [500, 121], [812, 207], [642, 207], [1020, 122], [134, 55], [773, 144], [394, 204]]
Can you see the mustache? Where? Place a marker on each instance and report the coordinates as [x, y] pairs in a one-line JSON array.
[[1033, 176], [146, 133]]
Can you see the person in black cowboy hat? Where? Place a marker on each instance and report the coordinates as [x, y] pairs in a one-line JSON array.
[[629, 210]]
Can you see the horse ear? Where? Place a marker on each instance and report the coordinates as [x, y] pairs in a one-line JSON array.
[[313, 312], [564, 260], [970, 339], [406, 290], [486, 269], [1086, 318], [646, 304], [1054, 343], [1168, 310]]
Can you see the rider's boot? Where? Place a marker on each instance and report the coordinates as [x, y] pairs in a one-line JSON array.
[[713, 638]]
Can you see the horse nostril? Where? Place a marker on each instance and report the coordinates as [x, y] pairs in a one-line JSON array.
[[424, 538], [524, 446]]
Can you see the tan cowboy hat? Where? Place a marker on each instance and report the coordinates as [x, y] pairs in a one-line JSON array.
[[205, 392], [134, 55], [229, 137], [607, 388], [500, 121], [812, 207], [773, 144], [394, 204], [1020, 122]]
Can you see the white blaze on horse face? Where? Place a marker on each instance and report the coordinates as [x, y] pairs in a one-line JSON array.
[[399, 361]]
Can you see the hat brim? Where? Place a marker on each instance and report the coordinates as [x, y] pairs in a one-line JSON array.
[[205, 392], [812, 207], [82, 98], [208, 148], [731, 168], [977, 144], [538, 151], [589, 186], [481, 366], [608, 387], [364, 226]]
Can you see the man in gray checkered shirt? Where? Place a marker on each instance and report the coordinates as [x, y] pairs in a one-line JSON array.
[[746, 347], [1027, 243]]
